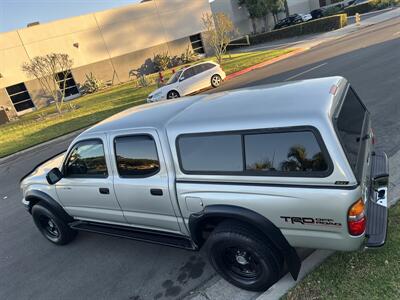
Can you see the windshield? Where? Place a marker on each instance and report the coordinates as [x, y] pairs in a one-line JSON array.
[[175, 77]]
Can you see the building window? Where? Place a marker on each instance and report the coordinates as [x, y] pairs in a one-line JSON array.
[[20, 97], [197, 43], [70, 86], [136, 156]]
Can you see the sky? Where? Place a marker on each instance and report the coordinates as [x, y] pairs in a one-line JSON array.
[[15, 14]]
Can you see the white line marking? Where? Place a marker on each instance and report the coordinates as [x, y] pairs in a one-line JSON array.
[[306, 71]]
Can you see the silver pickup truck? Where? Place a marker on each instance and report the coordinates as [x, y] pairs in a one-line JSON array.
[[251, 174]]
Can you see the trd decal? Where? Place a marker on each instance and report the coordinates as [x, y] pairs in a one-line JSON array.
[[311, 221]]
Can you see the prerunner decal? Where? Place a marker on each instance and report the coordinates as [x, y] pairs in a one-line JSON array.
[[311, 221]]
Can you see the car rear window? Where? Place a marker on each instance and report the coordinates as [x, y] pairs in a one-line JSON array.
[[136, 156], [349, 124]]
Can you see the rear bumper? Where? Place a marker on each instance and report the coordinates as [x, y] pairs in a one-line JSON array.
[[377, 205]]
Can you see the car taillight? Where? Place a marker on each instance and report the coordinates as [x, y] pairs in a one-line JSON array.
[[356, 218]]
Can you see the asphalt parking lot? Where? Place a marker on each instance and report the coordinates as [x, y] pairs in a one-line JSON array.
[[101, 267]]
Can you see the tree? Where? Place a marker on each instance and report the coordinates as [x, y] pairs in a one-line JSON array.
[[219, 31], [255, 9], [276, 7], [51, 70]]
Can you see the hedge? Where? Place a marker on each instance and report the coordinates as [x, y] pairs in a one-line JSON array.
[[360, 8], [315, 26]]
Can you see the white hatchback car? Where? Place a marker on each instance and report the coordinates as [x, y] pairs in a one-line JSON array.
[[189, 80]]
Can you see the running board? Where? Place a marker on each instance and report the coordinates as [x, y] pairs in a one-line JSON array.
[[139, 234]]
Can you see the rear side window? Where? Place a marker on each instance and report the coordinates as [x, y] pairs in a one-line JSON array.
[[294, 152], [211, 153], [268, 153], [136, 156], [86, 160], [349, 124]]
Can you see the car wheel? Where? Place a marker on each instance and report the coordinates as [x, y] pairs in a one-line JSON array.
[[51, 226], [216, 80], [244, 257], [173, 95]]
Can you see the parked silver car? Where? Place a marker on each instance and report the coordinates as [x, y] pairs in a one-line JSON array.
[[251, 173]]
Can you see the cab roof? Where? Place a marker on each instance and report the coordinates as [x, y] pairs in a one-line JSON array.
[[278, 105]]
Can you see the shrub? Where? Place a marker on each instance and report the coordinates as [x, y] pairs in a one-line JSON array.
[[381, 4], [315, 26], [91, 84], [333, 10], [360, 8], [161, 61]]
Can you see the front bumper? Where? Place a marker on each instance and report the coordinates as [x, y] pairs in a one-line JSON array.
[[377, 205]]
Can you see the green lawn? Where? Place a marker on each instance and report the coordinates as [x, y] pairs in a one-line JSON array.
[[372, 274], [44, 124]]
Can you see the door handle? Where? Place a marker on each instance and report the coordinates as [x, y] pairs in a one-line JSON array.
[[105, 191], [156, 192]]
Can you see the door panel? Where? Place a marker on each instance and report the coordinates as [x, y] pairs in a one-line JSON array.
[[141, 181], [83, 190]]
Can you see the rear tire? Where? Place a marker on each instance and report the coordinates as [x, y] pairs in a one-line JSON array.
[[243, 256], [173, 94], [216, 80], [52, 226]]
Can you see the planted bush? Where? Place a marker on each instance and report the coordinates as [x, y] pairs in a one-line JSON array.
[[360, 8], [315, 26]]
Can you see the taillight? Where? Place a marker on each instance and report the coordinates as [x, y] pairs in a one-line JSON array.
[[356, 218]]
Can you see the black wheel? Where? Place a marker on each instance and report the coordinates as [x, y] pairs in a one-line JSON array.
[[243, 256], [173, 95], [216, 80], [51, 226]]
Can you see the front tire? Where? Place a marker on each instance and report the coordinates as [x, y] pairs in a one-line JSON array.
[[216, 80], [244, 257], [51, 226], [173, 95]]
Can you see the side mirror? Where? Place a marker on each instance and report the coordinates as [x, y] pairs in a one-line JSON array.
[[182, 78], [54, 176]]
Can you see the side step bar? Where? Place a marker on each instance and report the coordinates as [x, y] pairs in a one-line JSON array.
[[139, 234]]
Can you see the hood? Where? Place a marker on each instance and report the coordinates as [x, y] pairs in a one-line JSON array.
[[38, 174]]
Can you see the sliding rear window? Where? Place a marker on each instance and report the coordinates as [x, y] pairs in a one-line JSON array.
[[350, 122]]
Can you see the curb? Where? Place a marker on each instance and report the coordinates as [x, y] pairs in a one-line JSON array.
[[286, 283], [266, 63]]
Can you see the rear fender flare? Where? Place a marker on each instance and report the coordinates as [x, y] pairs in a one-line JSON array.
[[272, 233]]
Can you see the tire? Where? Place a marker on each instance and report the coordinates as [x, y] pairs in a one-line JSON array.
[[51, 226], [216, 80], [173, 94], [244, 257]]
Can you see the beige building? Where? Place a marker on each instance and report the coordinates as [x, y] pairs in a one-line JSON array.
[[108, 43], [240, 15]]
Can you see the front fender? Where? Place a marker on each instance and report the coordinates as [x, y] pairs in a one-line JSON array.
[[33, 197]]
